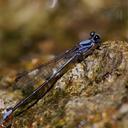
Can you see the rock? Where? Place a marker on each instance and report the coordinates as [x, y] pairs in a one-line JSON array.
[[92, 94]]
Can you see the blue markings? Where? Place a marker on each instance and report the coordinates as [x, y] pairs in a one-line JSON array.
[[6, 114], [84, 45]]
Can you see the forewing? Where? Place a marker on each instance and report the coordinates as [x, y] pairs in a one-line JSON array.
[[37, 76]]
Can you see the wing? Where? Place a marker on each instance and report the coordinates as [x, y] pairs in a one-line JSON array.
[[43, 89], [37, 76]]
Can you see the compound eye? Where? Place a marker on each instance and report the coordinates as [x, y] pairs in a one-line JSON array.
[[92, 34], [97, 38]]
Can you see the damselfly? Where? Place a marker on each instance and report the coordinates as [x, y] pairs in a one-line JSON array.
[[52, 71]]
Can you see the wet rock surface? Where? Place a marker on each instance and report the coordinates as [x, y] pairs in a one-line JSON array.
[[94, 94]]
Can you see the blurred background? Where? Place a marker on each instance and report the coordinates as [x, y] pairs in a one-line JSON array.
[[32, 29]]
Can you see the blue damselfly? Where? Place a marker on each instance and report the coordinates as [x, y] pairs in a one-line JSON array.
[[51, 72]]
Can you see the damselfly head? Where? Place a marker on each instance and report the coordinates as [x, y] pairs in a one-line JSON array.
[[96, 38]]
